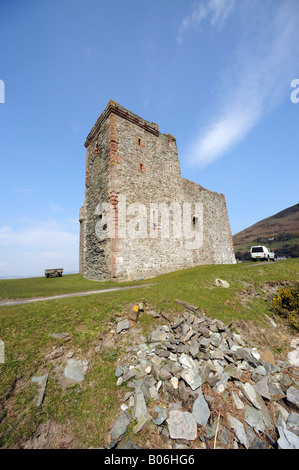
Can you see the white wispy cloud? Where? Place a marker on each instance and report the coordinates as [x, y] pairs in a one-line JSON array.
[[215, 10], [256, 81]]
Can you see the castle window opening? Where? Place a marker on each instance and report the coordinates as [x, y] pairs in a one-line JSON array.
[[194, 220], [142, 168]]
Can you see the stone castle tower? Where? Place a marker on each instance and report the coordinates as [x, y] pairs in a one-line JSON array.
[[140, 218]]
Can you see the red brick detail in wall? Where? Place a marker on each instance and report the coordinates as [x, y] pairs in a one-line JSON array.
[[141, 168], [113, 199], [112, 153]]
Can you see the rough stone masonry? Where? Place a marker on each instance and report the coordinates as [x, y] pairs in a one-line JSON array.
[[132, 169]]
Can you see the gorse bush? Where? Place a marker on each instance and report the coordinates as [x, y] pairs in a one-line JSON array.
[[286, 304]]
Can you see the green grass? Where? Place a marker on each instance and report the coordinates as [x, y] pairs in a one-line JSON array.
[[92, 406], [43, 287]]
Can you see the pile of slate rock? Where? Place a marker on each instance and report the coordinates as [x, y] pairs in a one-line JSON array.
[[202, 387]]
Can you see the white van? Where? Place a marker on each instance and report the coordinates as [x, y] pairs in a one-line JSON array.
[[261, 253]]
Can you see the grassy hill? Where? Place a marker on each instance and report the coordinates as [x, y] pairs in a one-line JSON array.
[[83, 414], [280, 232]]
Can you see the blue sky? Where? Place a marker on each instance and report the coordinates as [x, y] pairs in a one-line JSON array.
[[216, 74]]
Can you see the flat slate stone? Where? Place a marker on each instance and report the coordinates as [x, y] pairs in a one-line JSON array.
[[293, 358], [287, 439], [262, 387], [120, 426], [250, 394], [182, 425], [140, 408], [75, 370], [233, 371], [122, 325], [192, 379], [42, 382], [293, 397], [201, 411], [238, 427], [254, 418], [293, 422]]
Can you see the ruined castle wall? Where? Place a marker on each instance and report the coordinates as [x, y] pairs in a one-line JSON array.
[[217, 246], [149, 172], [96, 252], [81, 241], [130, 162]]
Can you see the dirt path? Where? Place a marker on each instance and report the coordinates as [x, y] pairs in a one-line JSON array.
[[62, 296]]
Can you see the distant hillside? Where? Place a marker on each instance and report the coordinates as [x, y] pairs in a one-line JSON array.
[[280, 232]]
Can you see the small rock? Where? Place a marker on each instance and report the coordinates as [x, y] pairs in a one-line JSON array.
[[162, 415], [122, 325], [220, 386], [225, 437], [293, 358], [119, 428], [238, 402], [75, 370], [142, 423], [275, 392], [238, 427], [287, 439], [201, 411], [64, 336], [221, 283], [182, 425], [262, 388], [173, 357], [119, 381], [255, 353], [174, 382], [140, 408], [293, 422], [118, 371], [159, 334], [57, 352], [42, 382], [254, 419], [293, 397], [192, 378], [249, 393], [187, 361], [215, 339], [233, 371]]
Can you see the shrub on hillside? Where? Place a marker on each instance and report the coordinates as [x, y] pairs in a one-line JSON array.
[[286, 304]]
